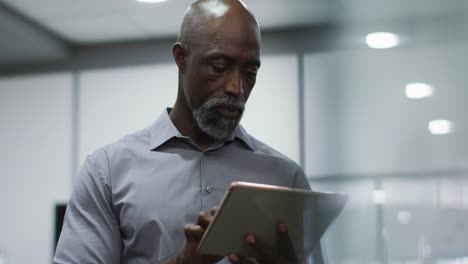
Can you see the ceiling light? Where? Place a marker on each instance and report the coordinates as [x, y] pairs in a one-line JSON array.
[[418, 90], [151, 1], [379, 196], [382, 40], [404, 217], [440, 127]]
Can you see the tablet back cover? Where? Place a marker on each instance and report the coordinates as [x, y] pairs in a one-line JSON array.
[[258, 209]]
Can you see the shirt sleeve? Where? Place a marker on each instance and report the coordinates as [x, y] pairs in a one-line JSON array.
[[90, 233], [301, 182]]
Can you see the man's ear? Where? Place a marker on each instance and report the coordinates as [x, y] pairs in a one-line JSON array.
[[180, 53]]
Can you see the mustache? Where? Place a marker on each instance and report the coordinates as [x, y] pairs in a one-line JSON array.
[[234, 103]]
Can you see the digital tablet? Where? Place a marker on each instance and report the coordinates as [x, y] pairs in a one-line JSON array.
[[259, 208]]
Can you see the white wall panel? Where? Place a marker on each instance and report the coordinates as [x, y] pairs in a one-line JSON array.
[[35, 169], [115, 102], [272, 112], [321, 114]]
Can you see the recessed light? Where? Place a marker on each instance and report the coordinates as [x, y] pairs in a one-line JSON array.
[[378, 196], [419, 90], [404, 217], [382, 40], [440, 127], [151, 1]]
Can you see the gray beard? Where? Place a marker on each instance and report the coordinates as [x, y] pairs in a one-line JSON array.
[[213, 123]]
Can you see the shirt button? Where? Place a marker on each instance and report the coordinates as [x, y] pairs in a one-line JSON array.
[[208, 189]]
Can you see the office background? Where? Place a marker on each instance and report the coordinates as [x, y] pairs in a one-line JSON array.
[[385, 125]]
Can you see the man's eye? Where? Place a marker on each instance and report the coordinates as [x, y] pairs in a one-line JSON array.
[[219, 68], [251, 73]]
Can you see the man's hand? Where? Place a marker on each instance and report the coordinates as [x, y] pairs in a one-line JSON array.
[[285, 254], [193, 235]]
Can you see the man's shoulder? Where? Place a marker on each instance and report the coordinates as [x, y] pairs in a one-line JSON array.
[[137, 139], [262, 148], [278, 163], [130, 144]]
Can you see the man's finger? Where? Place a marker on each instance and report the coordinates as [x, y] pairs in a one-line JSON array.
[[285, 244], [194, 233], [214, 210], [233, 258], [236, 259], [204, 219], [267, 253]]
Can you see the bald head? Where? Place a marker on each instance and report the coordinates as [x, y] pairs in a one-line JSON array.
[[204, 14], [218, 56]]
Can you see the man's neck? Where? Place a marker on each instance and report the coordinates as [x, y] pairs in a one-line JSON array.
[[184, 122]]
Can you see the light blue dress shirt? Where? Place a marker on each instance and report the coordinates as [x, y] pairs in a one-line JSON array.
[[132, 198]]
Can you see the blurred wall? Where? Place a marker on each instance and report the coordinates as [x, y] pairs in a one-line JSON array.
[[337, 108], [51, 122], [35, 162]]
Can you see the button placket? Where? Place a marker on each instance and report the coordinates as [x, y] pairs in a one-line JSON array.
[[208, 188]]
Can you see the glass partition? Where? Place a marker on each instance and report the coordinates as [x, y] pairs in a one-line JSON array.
[[384, 121]]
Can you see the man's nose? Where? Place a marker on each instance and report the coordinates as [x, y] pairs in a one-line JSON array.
[[235, 85]]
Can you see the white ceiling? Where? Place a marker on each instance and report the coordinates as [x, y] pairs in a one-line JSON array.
[[41, 31], [93, 21]]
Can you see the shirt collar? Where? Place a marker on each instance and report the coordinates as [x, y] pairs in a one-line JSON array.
[[163, 130], [241, 134]]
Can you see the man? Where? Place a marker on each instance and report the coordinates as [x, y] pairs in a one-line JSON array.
[[139, 199]]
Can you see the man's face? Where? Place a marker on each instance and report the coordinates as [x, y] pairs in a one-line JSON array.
[[220, 74]]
